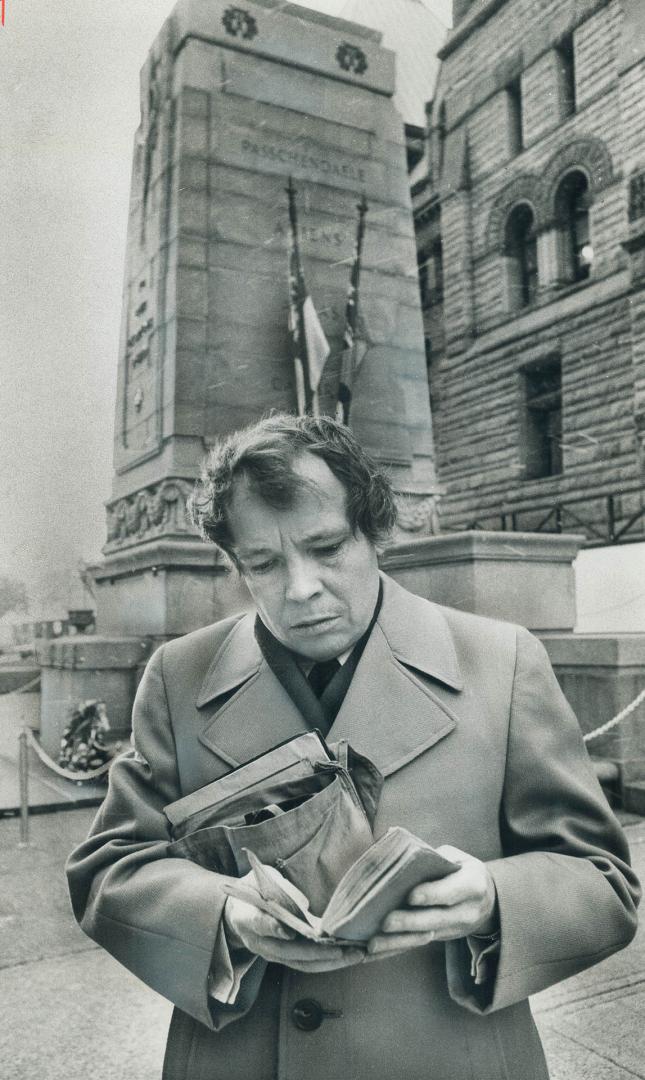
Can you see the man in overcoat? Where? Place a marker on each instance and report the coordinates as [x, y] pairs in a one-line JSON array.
[[481, 757]]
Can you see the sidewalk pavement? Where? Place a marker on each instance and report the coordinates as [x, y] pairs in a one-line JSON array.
[[70, 1012]]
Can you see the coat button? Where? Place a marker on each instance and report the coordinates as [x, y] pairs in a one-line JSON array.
[[307, 1014]]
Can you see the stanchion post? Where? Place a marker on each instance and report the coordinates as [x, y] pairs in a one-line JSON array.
[[23, 770]]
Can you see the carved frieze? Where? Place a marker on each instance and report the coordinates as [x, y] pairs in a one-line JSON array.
[[417, 514], [159, 510]]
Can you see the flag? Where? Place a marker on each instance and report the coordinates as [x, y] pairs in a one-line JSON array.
[[354, 339], [309, 347]]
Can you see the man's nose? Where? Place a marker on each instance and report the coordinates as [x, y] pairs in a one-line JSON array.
[[303, 580]]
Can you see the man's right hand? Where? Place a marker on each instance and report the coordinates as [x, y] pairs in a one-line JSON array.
[[264, 936]]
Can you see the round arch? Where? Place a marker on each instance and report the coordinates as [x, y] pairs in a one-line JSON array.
[[524, 190], [589, 156]]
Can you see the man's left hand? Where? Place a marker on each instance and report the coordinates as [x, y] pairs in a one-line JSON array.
[[455, 906]]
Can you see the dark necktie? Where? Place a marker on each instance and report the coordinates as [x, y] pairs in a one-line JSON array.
[[321, 674]]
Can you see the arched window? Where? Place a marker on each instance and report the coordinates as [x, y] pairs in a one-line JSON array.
[[520, 246], [572, 203]]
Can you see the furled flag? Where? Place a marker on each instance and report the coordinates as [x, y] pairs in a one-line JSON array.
[[309, 345], [354, 341]]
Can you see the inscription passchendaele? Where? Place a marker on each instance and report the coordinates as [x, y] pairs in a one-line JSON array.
[[303, 159]]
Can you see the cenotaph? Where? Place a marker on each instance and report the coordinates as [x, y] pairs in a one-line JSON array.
[[235, 100]]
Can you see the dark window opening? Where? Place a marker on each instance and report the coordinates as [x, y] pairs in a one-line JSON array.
[[567, 76], [431, 273], [542, 442], [521, 251], [515, 125], [441, 140], [572, 215]]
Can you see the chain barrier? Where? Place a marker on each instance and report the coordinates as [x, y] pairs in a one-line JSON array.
[[21, 689], [67, 774], [27, 739], [604, 728]]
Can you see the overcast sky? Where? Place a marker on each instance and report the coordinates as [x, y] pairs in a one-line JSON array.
[[69, 106]]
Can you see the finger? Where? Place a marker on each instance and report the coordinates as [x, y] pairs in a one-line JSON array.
[[455, 854], [300, 951], [445, 923], [314, 967], [393, 943], [447, 891], [384, 954], [468, 884], [421, 921], [266, 926]]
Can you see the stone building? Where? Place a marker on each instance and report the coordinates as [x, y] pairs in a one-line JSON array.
[[529, 208]]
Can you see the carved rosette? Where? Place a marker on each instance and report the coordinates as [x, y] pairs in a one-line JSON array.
[[159, 510], [239, 23], [351, 58], [417, 515]]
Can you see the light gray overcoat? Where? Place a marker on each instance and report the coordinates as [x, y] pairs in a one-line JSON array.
[[479, 749]]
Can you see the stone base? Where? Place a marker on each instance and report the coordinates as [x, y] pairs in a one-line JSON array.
[[76, 669], [601, 674], [165, 588], [525, 578]]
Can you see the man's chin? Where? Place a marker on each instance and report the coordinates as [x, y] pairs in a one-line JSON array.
[[322, 645]]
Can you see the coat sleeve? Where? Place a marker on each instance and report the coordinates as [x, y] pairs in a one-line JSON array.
[[567, 895], [159, 916]]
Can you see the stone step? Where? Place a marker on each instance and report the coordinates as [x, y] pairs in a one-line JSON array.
[[634, 797], [606, 771]]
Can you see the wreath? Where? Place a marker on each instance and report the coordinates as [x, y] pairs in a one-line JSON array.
[[82, 746]]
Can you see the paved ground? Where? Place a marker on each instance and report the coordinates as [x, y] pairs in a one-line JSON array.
[[70, 1012]]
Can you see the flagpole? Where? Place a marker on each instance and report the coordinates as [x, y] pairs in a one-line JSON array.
[[296, 300], [349, 365]]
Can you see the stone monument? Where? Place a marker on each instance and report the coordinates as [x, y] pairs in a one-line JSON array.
[[235, 100]]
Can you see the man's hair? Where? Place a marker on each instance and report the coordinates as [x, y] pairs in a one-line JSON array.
[[264, 455]]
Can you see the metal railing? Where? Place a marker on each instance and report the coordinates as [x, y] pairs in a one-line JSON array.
[[559, 515]]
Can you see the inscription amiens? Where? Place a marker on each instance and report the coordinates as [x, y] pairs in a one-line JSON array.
[[304, 159]]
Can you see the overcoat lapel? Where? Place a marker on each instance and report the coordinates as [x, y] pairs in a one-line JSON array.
[[259, 714], [391, 713]]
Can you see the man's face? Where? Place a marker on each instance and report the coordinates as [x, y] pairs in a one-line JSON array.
[[315, 583]]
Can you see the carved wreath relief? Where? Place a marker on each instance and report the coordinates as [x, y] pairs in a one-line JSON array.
[[239, 23], [154, 511], [351, 58]]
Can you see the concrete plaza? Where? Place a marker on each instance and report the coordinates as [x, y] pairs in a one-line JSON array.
[[70, 1012]]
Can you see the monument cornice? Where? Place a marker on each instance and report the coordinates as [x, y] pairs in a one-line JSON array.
[[278, 32]]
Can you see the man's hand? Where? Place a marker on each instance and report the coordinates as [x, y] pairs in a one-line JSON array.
[[455, 906], [264, 936]]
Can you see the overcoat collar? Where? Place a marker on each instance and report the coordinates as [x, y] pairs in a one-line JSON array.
[[389, 714]]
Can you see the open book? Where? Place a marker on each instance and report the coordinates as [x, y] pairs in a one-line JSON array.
[[377, 883]]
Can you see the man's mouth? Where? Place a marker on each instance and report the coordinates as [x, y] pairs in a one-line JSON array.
[[312, 623]]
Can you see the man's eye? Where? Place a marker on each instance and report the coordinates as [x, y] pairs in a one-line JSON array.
[[329, 549], [262, 568]]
